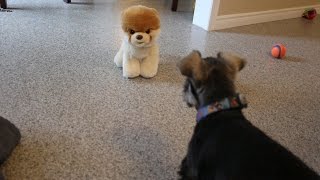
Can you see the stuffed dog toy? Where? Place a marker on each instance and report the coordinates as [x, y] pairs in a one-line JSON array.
[[139, 53], [225, 145]]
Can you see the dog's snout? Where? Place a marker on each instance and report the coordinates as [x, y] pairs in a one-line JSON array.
[[139, 37]]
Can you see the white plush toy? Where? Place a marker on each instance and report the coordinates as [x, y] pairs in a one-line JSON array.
[[139, 53]]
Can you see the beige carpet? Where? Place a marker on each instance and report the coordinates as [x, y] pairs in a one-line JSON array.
[[81, 120]]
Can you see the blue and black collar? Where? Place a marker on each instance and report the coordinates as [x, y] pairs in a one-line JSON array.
[[235, 102]]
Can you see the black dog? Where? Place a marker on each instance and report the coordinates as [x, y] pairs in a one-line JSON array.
[[9, 138], [225, 145]]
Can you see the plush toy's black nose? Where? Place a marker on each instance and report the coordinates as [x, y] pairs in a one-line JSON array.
[[139, 37]]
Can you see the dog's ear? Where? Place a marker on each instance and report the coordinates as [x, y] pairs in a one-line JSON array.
[[192, 66], [236, 62]]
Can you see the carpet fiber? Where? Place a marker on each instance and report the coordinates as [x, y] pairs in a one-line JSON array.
[[80, 119]]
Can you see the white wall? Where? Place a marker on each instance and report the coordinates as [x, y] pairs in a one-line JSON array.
[[221, 14], [245, 6]]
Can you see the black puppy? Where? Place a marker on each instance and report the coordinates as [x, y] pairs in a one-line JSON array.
[[225, 145]]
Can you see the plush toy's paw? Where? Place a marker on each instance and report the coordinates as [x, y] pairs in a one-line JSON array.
[[131, 74], [118, 60], [118, 64], [131, 68], [148, 72], [149, 67]]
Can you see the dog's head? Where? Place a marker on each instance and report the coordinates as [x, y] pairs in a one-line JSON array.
[[209, 79], [141, 24]]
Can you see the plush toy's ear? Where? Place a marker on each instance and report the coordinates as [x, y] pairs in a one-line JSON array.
[[123, 23], [192, 66]]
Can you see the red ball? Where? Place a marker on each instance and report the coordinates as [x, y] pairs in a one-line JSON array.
[[310, 13], [278, 51]]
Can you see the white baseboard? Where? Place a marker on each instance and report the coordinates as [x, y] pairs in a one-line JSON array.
[[234, 20]]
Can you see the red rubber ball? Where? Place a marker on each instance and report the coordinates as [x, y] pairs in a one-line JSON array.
[[278, 51]]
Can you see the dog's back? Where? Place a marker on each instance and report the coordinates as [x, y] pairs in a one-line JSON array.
[[225, 145]]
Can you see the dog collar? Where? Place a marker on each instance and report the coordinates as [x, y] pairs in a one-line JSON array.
[[235, 102]]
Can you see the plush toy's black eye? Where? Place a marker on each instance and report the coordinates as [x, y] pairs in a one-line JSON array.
[[148, 31], [132, 31]]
